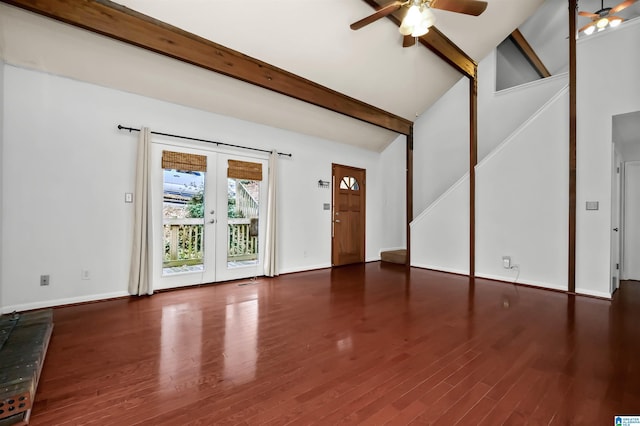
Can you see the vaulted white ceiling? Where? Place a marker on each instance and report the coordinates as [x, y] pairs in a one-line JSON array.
[[310, 38]]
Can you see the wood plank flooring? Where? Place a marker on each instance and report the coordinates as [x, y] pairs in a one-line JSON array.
[[365, 344]]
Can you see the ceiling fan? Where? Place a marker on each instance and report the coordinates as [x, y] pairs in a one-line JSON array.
[[605, 17], [418, 16]]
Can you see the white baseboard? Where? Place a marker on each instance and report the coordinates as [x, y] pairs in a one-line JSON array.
[[305, 268], [62, 302], [105, 296], [441, 269], [509, 280], [594, 293]]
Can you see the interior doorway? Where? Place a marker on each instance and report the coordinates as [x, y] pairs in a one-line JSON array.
[[617, 175], [631, 236], [625, 195], [348, 215]]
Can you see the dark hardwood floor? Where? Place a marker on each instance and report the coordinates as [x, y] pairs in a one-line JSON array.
[[373, 344]]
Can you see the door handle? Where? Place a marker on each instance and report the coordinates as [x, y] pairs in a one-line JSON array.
[[212, 221], [615, 229], [337, 220]]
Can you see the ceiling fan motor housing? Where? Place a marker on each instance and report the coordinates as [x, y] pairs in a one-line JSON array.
[[603, 12]]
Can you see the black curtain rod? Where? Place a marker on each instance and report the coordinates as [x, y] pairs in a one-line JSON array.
[[131, 129]]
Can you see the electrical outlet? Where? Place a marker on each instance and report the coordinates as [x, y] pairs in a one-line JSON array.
[[85, 274], [44, 280], [506, 262]]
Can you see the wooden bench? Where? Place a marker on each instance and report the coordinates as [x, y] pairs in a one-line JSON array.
[[24, 339]]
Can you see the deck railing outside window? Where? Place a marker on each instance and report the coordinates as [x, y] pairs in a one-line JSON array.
[[184, 241]]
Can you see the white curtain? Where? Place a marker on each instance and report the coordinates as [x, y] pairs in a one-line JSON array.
[[139, 274], [270, 258]]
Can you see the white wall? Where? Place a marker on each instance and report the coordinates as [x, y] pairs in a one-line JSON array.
[[546, 32], [441, 149], [501, 113], [630, 151], [610, 56], [440, 234], [512, 67], [522, 201], [393, 176], [66, 168], [521, 208]]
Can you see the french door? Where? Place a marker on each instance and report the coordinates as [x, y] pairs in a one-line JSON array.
[[206, 214]]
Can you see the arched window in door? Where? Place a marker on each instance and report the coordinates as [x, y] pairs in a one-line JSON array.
[[349, 182]]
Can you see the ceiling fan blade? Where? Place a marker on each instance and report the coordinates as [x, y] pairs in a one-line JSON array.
[[408, 41], [623, 5], [612, 18], [385, 10], [469, 7], [585, 27], [589, 15]]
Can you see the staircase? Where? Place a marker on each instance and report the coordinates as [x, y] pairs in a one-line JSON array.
[[521, 198], [394, 256]]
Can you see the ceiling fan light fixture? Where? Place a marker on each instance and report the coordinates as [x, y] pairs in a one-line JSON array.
[[428, 18], [418, 17], [410, 21], [602, 23], [419, 30], [417, 21], [615, 22], [590, 29]]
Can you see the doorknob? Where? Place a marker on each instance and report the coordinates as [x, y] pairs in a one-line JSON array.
[[615, 229], [337, 220], [212, 211], [212, 221]]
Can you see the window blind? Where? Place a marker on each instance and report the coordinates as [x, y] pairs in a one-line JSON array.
[[244, 170], [183, 161]]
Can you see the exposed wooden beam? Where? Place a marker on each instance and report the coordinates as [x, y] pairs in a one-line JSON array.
[[447, 50], [473, 161], [409, 193], [439, 44], [573, 9], [523, 45], [118, 22]]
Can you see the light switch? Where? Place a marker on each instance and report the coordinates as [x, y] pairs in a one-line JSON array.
[[592, 205], [128, 197]]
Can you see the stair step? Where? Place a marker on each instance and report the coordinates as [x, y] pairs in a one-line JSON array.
[[394, 256]]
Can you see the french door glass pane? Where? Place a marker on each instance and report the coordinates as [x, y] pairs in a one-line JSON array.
[[243, 210], [183, 221]]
